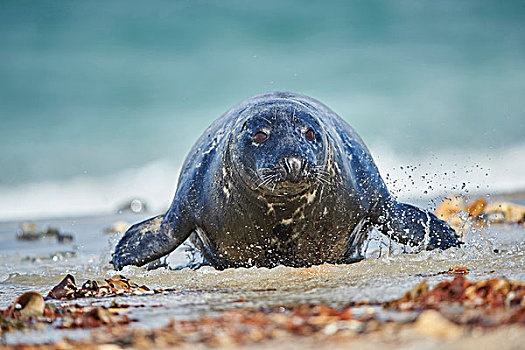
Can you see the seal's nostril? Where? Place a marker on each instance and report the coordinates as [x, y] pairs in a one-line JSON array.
[[293, 166]]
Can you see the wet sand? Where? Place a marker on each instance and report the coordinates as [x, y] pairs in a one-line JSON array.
[[497, 251]]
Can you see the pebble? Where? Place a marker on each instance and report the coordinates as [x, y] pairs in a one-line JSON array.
[[28, 231], [432, 324]]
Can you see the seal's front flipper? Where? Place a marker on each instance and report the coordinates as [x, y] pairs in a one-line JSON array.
[[410, 225], [145, 242]]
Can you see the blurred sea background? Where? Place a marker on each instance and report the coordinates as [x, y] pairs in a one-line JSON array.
[[100, 101]]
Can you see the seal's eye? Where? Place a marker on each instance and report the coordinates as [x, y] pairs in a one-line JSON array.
[[310, 135], [260, 136]]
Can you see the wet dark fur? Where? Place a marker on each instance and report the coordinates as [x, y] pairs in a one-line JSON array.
[[288, 200]]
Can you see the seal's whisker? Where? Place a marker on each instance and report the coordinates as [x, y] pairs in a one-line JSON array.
[[321, 170], [321, 192], [286, 166], [264, 170], [253, 175], [265, 180], [322, 179], [322, 174], [263, 183]]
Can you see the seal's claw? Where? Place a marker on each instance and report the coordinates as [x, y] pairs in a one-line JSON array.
[[441, 235], [119, 261], [142, 243], [116, 262]]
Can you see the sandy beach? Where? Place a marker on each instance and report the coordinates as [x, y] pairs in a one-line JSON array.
[[202, 295]]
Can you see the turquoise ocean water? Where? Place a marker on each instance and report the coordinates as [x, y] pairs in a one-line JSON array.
[[101, 100]]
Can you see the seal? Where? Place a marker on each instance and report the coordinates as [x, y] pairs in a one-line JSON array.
[[279, 179]]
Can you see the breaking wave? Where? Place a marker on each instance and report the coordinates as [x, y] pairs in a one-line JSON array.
[[421, 178]]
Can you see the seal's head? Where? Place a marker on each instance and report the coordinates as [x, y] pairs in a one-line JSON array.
[[280, 148]]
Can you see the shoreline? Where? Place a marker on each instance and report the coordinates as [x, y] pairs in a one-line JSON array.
[[518, 196]]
